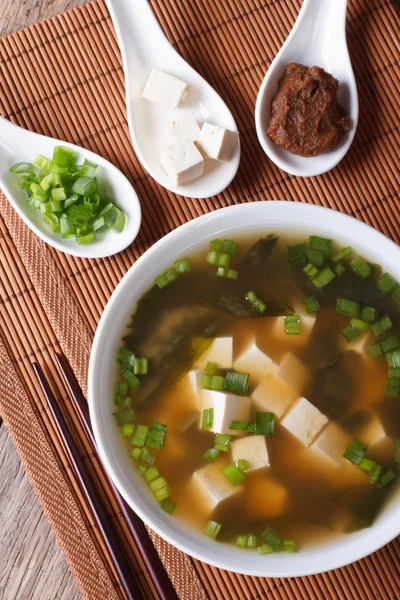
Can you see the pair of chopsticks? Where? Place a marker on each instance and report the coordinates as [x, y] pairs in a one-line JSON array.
[[122, 566]]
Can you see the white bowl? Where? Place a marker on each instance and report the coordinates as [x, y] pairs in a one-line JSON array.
[[272, 217]]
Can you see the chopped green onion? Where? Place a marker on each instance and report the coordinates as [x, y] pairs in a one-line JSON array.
[[241, 541], [359, 325], [216, 245], [233, 474], [396, 293], [136, 453], [239, 425], [126, 358], [67, 230], [264, 549], [160, 489], [183, 265], [128, 429], [339, 269], [57, 195], [98, 223], [140, 366], [265, 423], [297, 255], [122, 401], [213, 257], [211, 454], [230, 247], [289, 545], [375, 474], [52, 220], [210, 368], [381, 326], [88, 169], [122, 388], [131, 378], [85, 239], [144, 455], [323, 277], [341, 254], [63, 156], [236, 383], [386, 284], [397, 453], [360, 267], [387, 477], [393, 359], [316, 257], [368, 314], [142, 468], [221, 442], [271, 539], [125, 416], [23, 167], [212, 529], [168, 505], [355, 451], [84, 186], [213, 382], [388, 344], [375, 350], [208, 418], [292, 324], [151, 474], [140, 435], [166, 278], [347, 307], [251, 540], [227, 273], [394, 373], [256, 302], [310, 270], [320, 244], [116, 219], [367, 465], [156, 435], [393, 387], [242, 464], [350, 333], [311, 305]]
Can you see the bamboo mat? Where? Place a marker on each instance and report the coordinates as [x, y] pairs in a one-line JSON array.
[[64, 78]]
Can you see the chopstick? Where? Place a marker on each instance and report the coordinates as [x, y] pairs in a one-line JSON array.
[[120, 562], [135, 525]]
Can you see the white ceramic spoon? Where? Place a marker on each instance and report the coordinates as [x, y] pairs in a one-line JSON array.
[[21, 145], [143, 47], [318, 38]]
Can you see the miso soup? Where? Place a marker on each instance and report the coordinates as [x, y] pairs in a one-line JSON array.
[[258, 390]]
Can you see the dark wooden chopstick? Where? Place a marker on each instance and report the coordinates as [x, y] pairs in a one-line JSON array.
[[135, 525], [121, 564]]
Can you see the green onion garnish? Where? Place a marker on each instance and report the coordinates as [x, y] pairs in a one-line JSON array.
[[297, 255], [256, 302], [140, 435], [265, 423], [394, 373], [216, 245], [310, 270], [375, 350], [375, 474], [142, 468], [367, 465], [393, 359], [213, 257], [122, 388], [143, 455], [166, 278], [362, 268], [160, 489], [236, 383], [210, 368], [271, 539], [368, 314], [219, 259], [350, 333], [227, 273], [359, 324], [252, 540], [233, 474], [388, 344], [292, 325], [264, 549], [339, 269], [242, 464], [131, 378], [221, 442], [156, 435], [381, 326], [211, 454], [124, 416], [128, 429], [355, 451], [122, 401], [387, 477], [213, 382], [182, 266], [23, 167], [397, 453], [151, 474], [289, 545], [239, 425], [347, 307], [140, 366], [341, 254], [241, 541], [230, 247], [386, 284], [63, 156], [316, 257], [168, 505], [323, 277], [212, 529], [208, 418], [393, 387], [311, 305], [320, 244]]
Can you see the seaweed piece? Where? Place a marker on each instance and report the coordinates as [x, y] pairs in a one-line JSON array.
[[258, 253], [234, 304]]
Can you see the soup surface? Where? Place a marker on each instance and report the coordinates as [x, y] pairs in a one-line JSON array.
[[323, 374]]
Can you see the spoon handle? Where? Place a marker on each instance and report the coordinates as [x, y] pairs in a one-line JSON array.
[[11, 138]]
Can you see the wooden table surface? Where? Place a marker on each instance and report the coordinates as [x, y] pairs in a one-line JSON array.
[[32, 566]]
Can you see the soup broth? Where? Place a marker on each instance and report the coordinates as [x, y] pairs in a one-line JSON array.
[[308, 491]]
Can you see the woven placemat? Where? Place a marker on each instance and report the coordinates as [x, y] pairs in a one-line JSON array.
[[64, 78]]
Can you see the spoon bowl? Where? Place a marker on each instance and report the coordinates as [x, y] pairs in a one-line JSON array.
[[17, 145], [143, 47], [318, 38]]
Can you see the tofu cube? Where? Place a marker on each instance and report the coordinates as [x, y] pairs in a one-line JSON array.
[[273, 395], [306, 322], [227, 408], [182, 162], [220, 352], [293, 373], [360, 344], [331, 444], [255, 362], [265, 498], [253, 449], [304, 421], [211, 486], [165, 89], [217, 142], [183, 127]]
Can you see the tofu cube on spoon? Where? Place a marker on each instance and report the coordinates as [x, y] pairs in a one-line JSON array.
[[217, 142], [165, 89], [182, 162]]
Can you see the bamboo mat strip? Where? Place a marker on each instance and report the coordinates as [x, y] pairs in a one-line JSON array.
[[50, 301]]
